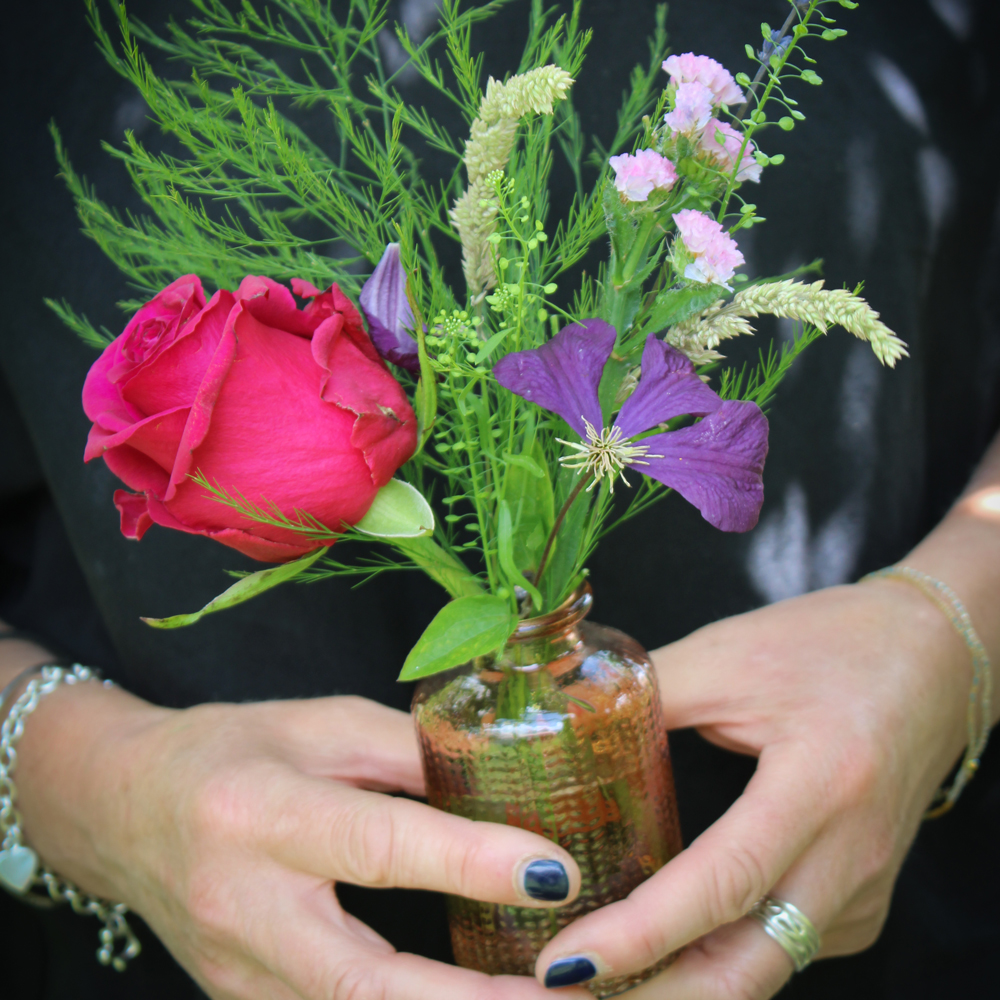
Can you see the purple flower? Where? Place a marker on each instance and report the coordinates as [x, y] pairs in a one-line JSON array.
[[384, 303], [715, 464]]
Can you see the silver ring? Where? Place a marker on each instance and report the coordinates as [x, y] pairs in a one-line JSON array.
[[790, 927]]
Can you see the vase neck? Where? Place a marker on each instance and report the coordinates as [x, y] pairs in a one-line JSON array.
[[537, 641]]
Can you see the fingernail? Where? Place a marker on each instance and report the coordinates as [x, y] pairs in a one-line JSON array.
[[569, 972], [546, 880]]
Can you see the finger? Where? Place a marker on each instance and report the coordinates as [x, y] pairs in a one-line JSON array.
[[325, 954], [714, 882], [736, 962], [350, 835], [740, 961], [351, 739]]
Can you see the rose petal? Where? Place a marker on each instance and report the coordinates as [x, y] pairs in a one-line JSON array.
[[135, 519], [385, 429], [668, 387], [563, 374], [252, 545], [716, 465], [273, 305]]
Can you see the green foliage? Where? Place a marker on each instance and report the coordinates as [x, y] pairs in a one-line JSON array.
[[245, 588], [239, 187], [80, 325], [398, 511], [462, 629]]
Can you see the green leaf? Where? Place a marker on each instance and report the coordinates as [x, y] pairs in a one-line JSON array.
[[490, 346], [778, 159], [242, 590], [525, 462], [528, 492], [786, 123], [425, 397], [829, 34], [810, 76], [464, 628], [678, 304], [750, 52], [505, 553], [398, 511]]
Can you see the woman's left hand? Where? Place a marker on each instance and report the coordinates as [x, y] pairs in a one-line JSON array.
[[854, 700]]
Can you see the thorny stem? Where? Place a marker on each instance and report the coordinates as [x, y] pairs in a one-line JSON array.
[[558, 524]]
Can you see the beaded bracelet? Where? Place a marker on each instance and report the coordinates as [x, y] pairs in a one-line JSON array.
[[978, 715], [21, 872]]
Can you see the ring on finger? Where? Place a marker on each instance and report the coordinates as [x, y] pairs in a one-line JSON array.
[[790, 927]]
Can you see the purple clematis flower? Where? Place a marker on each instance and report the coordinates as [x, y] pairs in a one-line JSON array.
[[387, 310], [715, 464]]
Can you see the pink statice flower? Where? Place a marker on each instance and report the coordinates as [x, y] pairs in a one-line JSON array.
[[636, 176], [715, 253], [689, 68], [724, 153], [693, 104]]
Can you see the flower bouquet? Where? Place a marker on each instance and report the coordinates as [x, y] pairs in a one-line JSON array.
[[490, 431]]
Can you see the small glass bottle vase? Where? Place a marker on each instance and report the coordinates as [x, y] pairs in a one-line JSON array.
[[563, 735]]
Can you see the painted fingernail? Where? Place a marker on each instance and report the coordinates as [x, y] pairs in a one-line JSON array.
[[569, 972], [546, 880]]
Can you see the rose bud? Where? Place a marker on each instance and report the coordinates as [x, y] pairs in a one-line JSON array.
[[288, 407]]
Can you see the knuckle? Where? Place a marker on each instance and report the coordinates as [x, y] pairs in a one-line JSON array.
[[464, 863], [219, 810], [736, 882], [738, 983], [356, 981], [205, 899], [365, 842], [857, 775]]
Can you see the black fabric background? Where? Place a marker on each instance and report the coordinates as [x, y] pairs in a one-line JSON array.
[[68, 574]]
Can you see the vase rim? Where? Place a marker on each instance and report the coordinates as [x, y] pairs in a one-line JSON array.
[[572, 610]]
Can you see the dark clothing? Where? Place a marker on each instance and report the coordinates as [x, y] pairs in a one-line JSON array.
[[893, 179]]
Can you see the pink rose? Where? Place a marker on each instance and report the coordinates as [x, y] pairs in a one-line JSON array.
[[724, 153], [716, 255], [636, 176], [689, 68], [284, 405]]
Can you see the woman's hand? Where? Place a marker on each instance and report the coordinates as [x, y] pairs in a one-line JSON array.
[[226, 826], [853, 699]]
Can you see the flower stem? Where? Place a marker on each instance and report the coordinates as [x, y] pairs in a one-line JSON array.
[[550, 541]]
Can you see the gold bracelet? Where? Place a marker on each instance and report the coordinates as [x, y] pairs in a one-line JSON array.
[[978, 712]]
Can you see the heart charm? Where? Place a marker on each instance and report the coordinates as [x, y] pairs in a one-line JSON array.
[[17, 867]]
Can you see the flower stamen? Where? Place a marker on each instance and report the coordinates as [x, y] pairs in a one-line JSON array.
[[604, 453]]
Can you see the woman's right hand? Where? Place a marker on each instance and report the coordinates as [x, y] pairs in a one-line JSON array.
[[225, 827]]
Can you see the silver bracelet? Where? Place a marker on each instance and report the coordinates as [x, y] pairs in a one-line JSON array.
[[21, 872]]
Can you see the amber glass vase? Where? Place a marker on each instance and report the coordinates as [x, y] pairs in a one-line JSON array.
[[563, 735]]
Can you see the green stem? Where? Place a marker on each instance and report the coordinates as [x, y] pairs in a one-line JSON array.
[[557, 525], [440, 565], [638, 250], [765, 97]]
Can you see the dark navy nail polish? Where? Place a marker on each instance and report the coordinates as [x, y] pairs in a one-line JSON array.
[[546, 880], [569, 972]]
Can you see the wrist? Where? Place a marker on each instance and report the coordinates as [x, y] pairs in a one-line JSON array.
[[76, 774], [937, 670]]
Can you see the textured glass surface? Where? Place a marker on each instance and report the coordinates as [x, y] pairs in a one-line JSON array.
[[562, 736]]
